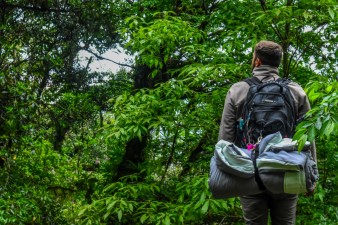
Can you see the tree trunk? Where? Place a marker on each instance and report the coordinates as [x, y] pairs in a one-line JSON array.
[[134, 154], [194, 155]]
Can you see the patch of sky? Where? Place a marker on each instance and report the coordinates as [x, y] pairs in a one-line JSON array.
[[111, 61]]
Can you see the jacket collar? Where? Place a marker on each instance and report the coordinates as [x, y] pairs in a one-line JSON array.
[[265, 72]]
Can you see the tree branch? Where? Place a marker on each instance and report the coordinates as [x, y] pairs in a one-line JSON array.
[[194, 155], [103, 58], [307, 47], [171, 154], [42, 8], [263, 5]]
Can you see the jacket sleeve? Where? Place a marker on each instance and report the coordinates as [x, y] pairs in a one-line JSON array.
[[227, 129]]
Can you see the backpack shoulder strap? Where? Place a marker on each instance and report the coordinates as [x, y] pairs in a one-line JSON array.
[[284, 81], [252, 81]]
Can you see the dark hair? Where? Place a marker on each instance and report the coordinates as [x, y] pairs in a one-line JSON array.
[[270, 53]]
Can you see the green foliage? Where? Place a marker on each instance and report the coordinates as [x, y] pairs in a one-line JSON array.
[[156, 203], [66, 133], [321, 124], [164, 39], [30, 181], [322, 120]]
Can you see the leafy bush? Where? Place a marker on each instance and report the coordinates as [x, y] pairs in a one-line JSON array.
[[173, 202]]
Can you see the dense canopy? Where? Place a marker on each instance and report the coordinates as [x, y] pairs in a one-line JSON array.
[[79, 146]]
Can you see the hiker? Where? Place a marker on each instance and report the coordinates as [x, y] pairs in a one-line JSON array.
[[266, 59]]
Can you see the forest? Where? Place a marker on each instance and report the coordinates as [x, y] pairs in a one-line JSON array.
[[83, 146]]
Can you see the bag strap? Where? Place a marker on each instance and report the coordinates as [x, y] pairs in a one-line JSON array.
[[254, 156], [255, 81], [252, 81], [284, 81]]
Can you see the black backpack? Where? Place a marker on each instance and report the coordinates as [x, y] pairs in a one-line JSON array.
[[269, 108]]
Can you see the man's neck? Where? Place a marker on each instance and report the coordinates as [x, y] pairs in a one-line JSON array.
[[265, 70]]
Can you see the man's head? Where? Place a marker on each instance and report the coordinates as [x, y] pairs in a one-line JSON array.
[[267, 53]]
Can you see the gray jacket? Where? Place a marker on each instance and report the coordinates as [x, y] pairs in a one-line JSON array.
[[236, 96]]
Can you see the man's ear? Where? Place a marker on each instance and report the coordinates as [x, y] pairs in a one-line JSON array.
[[258, 62]]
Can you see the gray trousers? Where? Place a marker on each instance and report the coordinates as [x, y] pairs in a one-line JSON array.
[[282, 208]]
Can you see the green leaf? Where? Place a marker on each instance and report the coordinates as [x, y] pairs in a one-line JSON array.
[[139, 134], [111, 205], [312, 133], [202, 198], [181, 198], [299, 134], [144, 217], [181, 219], [329, 88], [119, 215], [205, 207], [321, 196], [82, 211], [167, 220], [277, 12], [314, 96], [301, 142], [304, 124], [318, 123], [328, 128], [331, 12], [185, 209], [106, 215], [216, 203], [131, 208]]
